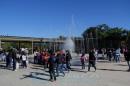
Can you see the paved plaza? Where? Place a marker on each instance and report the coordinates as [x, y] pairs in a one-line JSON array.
[[107, 74]]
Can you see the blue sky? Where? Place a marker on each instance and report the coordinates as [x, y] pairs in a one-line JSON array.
[[51, 18]]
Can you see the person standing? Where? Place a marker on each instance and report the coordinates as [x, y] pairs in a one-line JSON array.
[[35, 57], [59, 64], [24, 60], [83, 59], [14, 57], [127, 58], [64, 62], [52, 64], [118, 55], [92, 60], [110, 55], [96, 54], [9, 59], [114, 55], [68, 58]]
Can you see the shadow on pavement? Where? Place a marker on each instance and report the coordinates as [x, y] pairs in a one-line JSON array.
[[37, 68], [103, 61], [122, 65], [37, 73], [76, 65], [4, 67], [112, 70], [78, 70], [34, 75], [37, 65]]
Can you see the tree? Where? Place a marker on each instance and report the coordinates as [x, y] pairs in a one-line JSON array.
[[128, 39], [106, 36]]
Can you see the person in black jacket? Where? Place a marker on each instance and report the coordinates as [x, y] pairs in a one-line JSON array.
[[68, 58], [127, 58], [92, 60], [14, 57], [9, 59], [52, 64]]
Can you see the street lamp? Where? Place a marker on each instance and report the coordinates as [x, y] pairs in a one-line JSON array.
[[0, 41], [32, 45]]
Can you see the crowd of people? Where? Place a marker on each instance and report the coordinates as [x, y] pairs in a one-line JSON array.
[[56, 62], [91, 60], [60, 61], [115, 55], [110, 54], [14, 58]]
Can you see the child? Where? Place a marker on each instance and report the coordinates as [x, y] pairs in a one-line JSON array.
[[83, 59], [24, 60]]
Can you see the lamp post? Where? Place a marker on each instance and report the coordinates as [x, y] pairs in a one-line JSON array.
[[125, 36], [32, 45], [0, 42], [41, 40], [87, 39], [97, 37], [54, 45]]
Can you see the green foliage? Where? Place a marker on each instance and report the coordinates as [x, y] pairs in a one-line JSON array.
[[6, 45], [111, 37]]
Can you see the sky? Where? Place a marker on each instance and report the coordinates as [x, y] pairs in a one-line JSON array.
[[52, 18]]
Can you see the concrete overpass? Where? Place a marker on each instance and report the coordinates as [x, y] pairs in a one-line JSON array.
[[28, 39], [54, 43], [31, 40]]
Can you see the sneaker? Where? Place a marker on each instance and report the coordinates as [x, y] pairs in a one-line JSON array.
[[51, 80], [15, 70], [64, 75], [128, 70]]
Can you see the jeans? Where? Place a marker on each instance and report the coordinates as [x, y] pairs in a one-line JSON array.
[[65, 68], [68, 64], [128, 62], [60, 69], [35, 60], [117, 58], [52, 74], [24, 64], [83, 64], [14, 64]]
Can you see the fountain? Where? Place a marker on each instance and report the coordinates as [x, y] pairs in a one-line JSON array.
[[69, 45]]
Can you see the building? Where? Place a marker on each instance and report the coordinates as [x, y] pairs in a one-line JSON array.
[[39, 43]]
